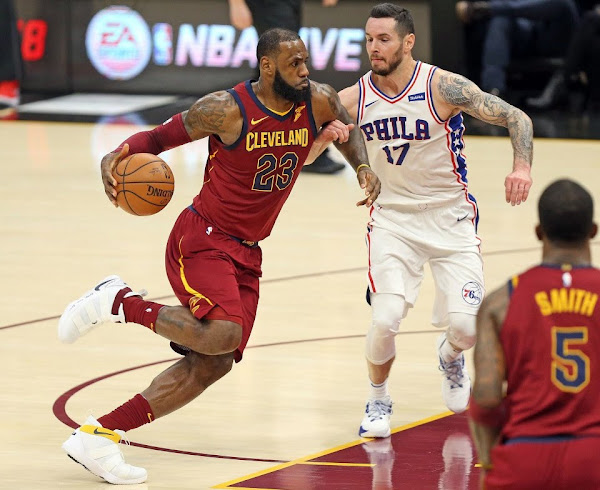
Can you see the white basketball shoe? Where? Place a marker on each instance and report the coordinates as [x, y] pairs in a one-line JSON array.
[[456, 383], [376, 422], [97, 450], [94, 308]]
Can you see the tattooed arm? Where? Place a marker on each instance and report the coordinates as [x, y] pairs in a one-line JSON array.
[[489, 372], [454, 93], [328, 107], [216, 113]]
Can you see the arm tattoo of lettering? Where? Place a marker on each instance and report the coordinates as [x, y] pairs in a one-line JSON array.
[[468, 97], [208, 114]]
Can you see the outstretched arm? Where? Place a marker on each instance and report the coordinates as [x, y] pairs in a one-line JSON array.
[[328, 107], [215, 113], [460, 93], [486, 411]]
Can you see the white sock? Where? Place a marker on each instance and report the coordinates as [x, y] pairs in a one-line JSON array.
[[378, 392], [447, 352]]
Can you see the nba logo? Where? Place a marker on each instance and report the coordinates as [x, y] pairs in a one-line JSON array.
[[162, 36]]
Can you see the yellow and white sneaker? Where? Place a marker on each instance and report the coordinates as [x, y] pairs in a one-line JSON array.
[[97, 450]]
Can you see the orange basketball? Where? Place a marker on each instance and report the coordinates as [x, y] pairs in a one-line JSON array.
[[145, 184]]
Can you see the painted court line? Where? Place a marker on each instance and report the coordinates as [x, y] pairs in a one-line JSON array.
[[307, 459]]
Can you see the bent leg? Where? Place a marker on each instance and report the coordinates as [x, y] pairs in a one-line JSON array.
[[205, 336], [185, 380]]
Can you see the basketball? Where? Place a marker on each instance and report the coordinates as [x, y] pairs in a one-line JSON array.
[[145, 184]]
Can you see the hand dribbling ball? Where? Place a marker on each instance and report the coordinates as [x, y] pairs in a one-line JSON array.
[[145, 184]]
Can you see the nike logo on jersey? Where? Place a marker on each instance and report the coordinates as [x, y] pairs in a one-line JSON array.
[[464, 217], [253, 121], [419, 96], [370, 103]]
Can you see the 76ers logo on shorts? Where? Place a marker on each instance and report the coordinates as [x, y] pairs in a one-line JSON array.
[[472, 293]]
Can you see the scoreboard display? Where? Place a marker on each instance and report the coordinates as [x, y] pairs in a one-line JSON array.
[[185, 47]]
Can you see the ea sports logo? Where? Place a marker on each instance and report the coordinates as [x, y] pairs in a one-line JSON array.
[[118, 43], [472, 293]]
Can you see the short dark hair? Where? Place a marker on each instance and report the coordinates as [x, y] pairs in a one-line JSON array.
[[566, 212], [268, 44], [404, 21]]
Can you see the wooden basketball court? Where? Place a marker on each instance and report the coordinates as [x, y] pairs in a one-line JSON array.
[[287, 416]]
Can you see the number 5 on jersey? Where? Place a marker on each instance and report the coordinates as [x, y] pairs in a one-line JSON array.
[[570, 367]]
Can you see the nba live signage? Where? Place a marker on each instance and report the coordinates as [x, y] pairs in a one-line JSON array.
[[120, 45]]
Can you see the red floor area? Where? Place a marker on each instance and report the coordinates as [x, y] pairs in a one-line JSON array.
[[434, 455]]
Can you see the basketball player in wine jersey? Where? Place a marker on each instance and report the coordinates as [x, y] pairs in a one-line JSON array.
[[260, 134], [540, 334], [410, 116]]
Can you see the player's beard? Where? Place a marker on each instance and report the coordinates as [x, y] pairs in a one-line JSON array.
[[288, 92], [395, 63]]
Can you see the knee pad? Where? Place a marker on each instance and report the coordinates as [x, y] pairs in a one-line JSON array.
[[462, 330], [387, 312]]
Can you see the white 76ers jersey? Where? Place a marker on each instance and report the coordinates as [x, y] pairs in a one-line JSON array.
[[415, 154]]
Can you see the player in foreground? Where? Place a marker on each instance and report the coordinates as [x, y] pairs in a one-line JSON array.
[[260, 135], [411, 117], [541, 335]]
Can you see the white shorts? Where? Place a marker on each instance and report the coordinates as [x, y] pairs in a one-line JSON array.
[[400, 243]]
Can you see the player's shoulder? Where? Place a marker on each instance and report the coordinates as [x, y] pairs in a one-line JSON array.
[[214, 113], [321, 92]]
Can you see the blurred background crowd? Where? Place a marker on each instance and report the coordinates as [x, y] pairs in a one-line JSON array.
[[540, 55]]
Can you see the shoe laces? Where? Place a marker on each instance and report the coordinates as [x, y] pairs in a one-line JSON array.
[[453, 371], [377, 409]]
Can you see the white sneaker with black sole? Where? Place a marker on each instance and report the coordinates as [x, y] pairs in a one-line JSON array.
[[97, 450]]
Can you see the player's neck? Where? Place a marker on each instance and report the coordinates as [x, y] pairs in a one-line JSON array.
[[270, 99], [396, 82], [575, 256]]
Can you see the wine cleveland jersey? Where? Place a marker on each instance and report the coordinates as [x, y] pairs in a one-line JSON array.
[[551, 343], [247, 183]]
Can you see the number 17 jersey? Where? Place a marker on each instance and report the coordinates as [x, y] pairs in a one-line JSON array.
[[416, 155]]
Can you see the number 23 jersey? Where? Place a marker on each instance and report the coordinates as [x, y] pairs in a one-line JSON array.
[[247, 183]]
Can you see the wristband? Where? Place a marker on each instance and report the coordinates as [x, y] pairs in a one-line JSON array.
[[362, 165]]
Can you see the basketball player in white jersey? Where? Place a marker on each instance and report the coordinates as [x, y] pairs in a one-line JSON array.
[[410, 115]]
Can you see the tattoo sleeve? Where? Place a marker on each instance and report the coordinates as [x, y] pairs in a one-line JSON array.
[[354, 150], [208, 115], [460, 92]]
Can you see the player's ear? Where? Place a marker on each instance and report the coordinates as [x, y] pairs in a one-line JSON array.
[[408, 42], [539, 232], [267, 66], [594, 230]]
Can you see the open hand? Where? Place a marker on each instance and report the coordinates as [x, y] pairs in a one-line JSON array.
[[517, 185]]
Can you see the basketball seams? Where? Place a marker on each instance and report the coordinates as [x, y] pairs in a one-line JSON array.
[[158, 180]]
